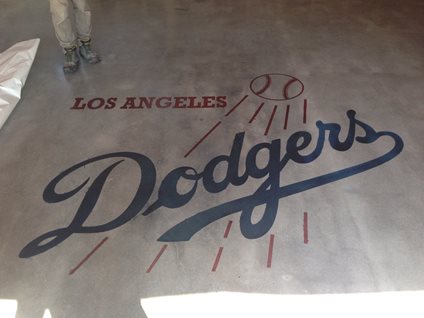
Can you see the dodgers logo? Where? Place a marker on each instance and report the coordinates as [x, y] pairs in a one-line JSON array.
[[269, 193]]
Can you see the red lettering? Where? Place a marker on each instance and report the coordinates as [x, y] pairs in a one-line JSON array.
[[130, 101], [179, 102], [147, 101], [192, 104], [111, 103], [164, 105], [208, 101], [77, 104], [96, 103], [222, 101]]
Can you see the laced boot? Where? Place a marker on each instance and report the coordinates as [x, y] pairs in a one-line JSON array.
[[71, 63], [88, 54]]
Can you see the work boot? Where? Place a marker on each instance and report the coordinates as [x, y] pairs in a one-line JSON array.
[[87, 53], [71, 63]]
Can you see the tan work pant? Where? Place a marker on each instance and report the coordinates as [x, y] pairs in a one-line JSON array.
[[66, 32]]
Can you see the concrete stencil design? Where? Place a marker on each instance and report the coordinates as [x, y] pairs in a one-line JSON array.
[[320, 103]]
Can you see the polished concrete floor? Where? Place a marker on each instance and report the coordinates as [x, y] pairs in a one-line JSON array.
[[95, 217]]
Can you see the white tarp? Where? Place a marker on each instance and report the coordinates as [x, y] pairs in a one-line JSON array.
[[15, 64]]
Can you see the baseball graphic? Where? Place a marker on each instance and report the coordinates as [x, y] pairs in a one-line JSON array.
[[276, 86]]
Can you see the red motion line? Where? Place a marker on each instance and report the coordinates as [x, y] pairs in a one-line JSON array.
[[270, 250], [267, 84], [305, 108], [201, 140], [256, 113], [286, 119], [227, 230], [270, 120], [286, 88], [218, 257], [157, 258], [88, 256], [305, 228], [237, 105]]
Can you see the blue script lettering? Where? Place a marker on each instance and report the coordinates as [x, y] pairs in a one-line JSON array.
[[268, 193]]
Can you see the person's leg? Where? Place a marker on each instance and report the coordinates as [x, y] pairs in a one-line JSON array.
[[83, 26], [82, 19], [65, 33], [62, 23]]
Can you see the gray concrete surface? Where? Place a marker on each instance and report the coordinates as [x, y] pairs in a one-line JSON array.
[[364, 232]]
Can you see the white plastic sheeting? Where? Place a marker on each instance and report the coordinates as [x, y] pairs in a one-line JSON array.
[[15, 64], [232, 304]]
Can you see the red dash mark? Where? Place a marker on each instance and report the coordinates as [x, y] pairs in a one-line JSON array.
[[217, 258], [286, 88], [256, 113], [270, 120], [227, 230], [157, 258], [305, 228], [202, 139], [88, 256], [270, 250], [237, 105], [286, 119], [305, 108]]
